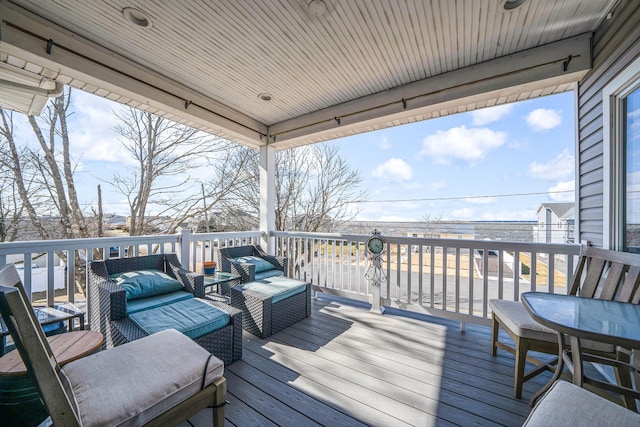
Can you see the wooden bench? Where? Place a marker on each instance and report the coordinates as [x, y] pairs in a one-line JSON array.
[[600, 274]]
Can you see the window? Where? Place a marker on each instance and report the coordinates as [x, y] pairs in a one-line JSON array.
[[621, 112], [631, 184]]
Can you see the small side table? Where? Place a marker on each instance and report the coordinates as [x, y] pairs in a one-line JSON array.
[[220, 283], [59, 313]]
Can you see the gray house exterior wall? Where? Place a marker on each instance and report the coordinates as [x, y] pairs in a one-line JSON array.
[[615, 45]]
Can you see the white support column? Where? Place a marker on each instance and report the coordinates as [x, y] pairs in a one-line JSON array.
[[267, 197]]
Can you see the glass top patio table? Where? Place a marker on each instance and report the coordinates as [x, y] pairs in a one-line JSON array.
[[605, 321]]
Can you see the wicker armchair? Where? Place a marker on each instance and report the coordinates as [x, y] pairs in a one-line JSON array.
[[175, 379], [227, 259], [108, 304]]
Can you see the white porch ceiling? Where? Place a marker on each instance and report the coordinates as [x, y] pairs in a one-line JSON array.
[[359, 66]]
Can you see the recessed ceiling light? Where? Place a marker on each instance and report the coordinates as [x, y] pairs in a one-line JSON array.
[[512, 4], [136, 17], [317, 7], [266, 97]]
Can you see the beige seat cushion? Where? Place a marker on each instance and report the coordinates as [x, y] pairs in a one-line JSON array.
[[135, 382], [566, 404], [515, 317]]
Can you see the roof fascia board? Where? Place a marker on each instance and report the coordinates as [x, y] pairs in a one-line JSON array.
[[522, 68], [25, 36]]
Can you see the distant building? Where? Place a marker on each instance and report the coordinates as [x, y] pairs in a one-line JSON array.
[[556, 223]]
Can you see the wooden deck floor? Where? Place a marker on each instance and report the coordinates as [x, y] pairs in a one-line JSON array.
[[347, 366]]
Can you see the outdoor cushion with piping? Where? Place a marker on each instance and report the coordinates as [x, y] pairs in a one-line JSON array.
[[566, 404], [133, 306], [170, 371], [278, 288], [146, 283], [193, 317], [260, 263]]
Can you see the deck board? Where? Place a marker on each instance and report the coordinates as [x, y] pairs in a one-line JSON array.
[[347, 366]]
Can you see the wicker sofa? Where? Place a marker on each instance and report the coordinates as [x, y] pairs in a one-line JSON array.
[[117, 312]]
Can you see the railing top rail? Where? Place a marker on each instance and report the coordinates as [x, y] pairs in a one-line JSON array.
[[559, 248], [225, 235], [96, 242]]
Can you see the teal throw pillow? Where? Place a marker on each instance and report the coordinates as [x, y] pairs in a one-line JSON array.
[[260, 263], [146, 283]]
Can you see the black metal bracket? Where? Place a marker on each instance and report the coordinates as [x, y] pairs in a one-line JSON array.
[[404, 104], [565, 64], [49, 46], [187, 103], [337, 119]]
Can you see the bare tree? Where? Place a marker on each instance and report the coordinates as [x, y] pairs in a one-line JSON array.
[[161, 190], [315, 189], [43, 178]]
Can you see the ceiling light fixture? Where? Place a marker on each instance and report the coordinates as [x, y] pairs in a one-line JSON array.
[[317, 7], [266, 97], [509, 5], [137, 17]]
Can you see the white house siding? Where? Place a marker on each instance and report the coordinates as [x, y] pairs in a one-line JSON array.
[[615, 44]]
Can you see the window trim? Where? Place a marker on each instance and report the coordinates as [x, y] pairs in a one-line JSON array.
[[613, 95]]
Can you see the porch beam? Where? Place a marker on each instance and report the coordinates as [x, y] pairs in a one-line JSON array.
[[542, 69], [93, 68], [267, 198]]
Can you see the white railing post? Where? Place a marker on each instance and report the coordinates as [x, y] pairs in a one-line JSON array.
[[185, 249], [267, 198]]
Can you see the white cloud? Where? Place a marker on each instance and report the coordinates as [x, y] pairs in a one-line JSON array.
[[481, 200], [461, 143], [563, 192], [561, 166], [384, 143], [542, 119], [438, 185], [394, 170], [92, 134], [464, 213], [489, 115]]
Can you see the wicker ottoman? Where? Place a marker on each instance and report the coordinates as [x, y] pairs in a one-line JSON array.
[[266, 311]]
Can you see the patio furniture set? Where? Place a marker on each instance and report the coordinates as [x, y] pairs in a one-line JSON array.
[[596, 321], [137, 304], [134, 297]]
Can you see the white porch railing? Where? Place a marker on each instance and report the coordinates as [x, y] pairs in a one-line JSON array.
[[50, 268], [448, 278]]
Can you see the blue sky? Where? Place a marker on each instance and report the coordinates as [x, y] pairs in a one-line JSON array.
[[470, 166], [466, 166]]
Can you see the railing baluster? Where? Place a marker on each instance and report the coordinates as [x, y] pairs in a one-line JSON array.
[[420, 269], [432, 284], [457, 283], [533, 276], [551, 272]]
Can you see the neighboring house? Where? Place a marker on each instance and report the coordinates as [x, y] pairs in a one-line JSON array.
[[556, 223]]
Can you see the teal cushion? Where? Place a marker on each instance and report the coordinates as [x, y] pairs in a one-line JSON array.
[[146, 283], [133, 306], [193, 317], [277, 287], [260, 263], [269, 273]]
